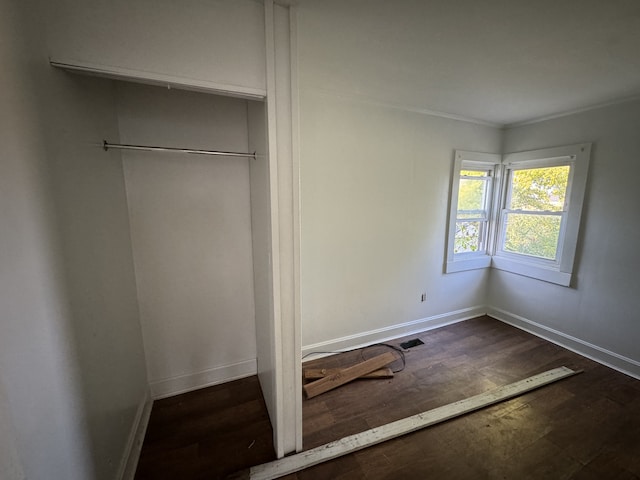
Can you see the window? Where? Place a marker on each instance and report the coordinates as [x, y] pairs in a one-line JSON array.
[[533, 230], [533, 212], [540, 212], [470, 212], [472, 219]]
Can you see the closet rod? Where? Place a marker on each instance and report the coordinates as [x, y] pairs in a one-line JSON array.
[[120, 146]]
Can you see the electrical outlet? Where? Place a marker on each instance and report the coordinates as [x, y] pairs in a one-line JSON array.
[[423, 297]]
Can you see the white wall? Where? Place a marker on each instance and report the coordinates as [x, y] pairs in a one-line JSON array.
[[38, 375], [10, 464], [374, 188], [191, 235], [70, 344], [374, 193], [219, 41], [93, 222], [600, 309]]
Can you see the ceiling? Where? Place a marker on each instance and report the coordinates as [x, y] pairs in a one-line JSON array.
[[502, 62]]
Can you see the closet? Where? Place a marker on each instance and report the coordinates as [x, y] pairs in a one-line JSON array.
[[199, 227], [190, 221], [205, 229], [214, 239]]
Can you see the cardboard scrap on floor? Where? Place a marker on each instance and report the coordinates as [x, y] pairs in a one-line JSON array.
[[345, 375]]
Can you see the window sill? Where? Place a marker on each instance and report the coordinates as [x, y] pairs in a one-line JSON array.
[[465, 264], [538, 272]]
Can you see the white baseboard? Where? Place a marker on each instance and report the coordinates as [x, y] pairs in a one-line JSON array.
[[394, 331], [193, 381], [131, 456], [598, 354]]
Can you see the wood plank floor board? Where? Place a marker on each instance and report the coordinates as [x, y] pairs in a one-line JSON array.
[[207, 434], [557, 465], [585, 427]]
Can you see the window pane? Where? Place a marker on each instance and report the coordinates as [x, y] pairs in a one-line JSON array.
[[468, 235], [535, 235], [471, 195], [539, 189]]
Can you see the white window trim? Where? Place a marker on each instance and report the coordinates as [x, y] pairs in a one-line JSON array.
[[559, 272], [471, 260]]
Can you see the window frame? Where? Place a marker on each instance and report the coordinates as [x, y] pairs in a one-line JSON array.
[[464, 160], [558, 271]]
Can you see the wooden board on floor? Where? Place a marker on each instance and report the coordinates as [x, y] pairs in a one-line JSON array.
[[348, 374], [350, 444], [317, 373]]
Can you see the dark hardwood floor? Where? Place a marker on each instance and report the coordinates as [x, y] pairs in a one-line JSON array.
[[207, 434], [583, 427]]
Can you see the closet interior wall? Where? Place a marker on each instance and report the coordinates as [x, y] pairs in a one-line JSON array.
[[190, 218]]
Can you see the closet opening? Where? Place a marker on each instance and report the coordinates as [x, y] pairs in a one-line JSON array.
[[197, 190], [200, 240], [191, 234], [210, 235]]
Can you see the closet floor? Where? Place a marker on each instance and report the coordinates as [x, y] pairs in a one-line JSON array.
[[207, 434]]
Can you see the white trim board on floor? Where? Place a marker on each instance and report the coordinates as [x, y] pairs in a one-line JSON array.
[[353, 443], [598, 354]]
